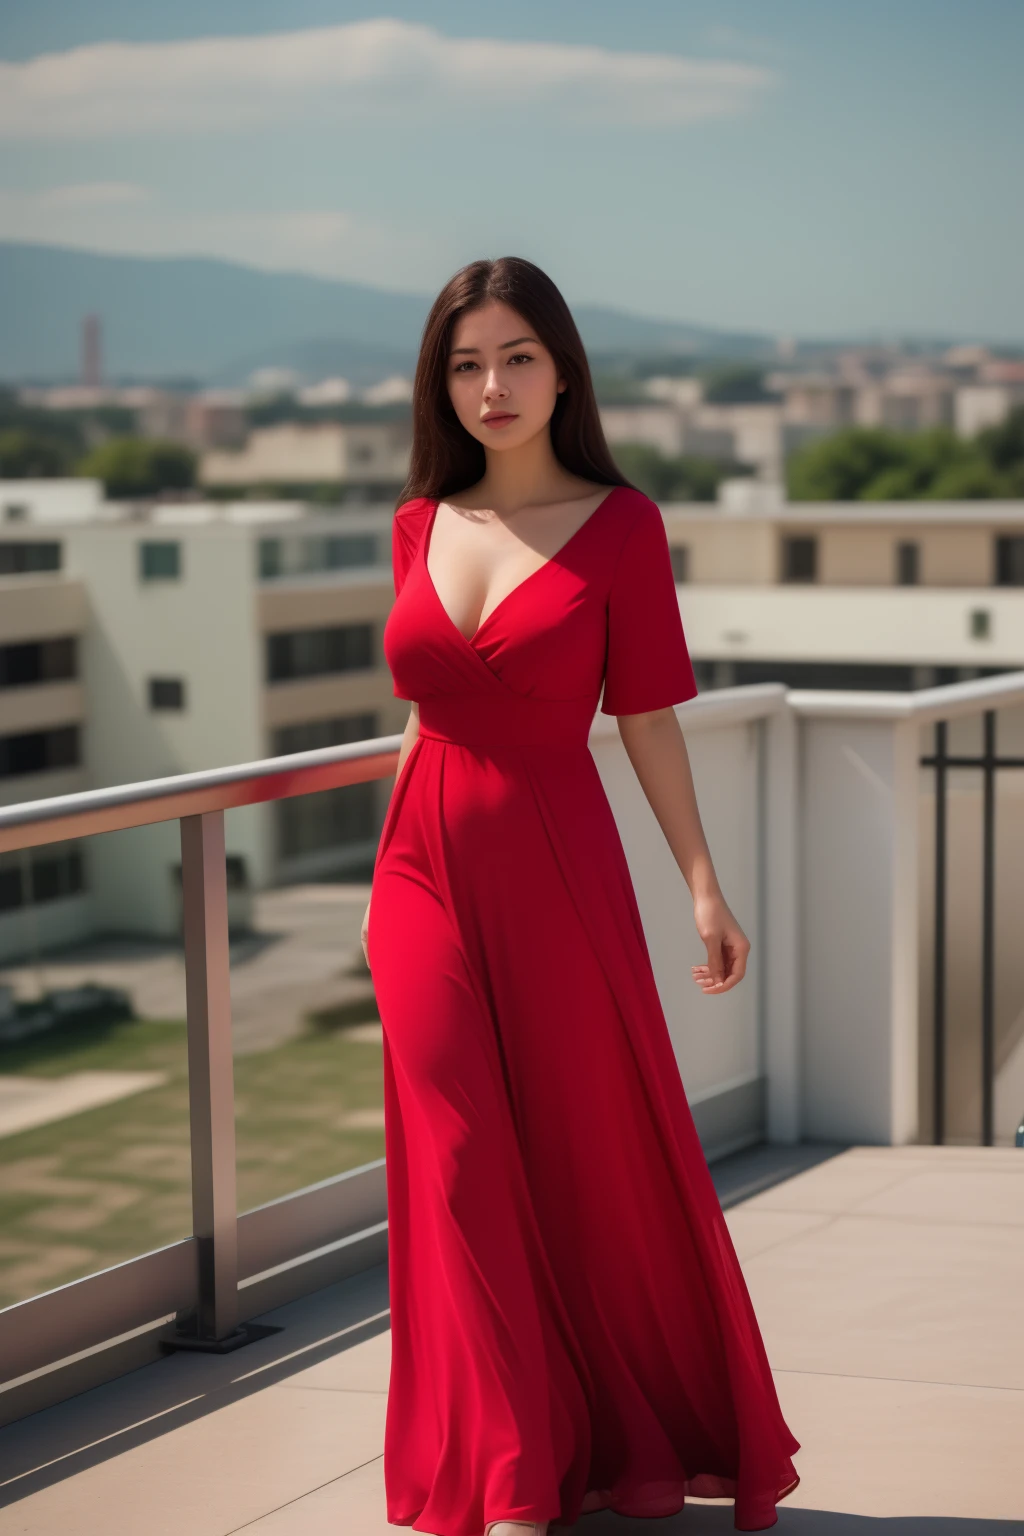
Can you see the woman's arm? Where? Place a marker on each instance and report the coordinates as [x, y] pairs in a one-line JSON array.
[[654, 745], [409, 735]]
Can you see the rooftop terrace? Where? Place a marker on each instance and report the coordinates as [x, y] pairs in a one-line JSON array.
[[887, 1283]]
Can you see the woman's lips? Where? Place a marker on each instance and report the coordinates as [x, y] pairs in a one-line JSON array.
[[499, 419]]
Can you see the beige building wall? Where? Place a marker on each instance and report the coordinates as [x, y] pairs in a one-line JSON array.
[[724, 550], [855, 549], [290, 453], [958, 557]]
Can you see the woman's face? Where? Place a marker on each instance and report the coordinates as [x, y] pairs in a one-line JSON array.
[[502, 381]]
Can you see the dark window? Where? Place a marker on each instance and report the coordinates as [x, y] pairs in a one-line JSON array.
[[54, 873], [329, 819], [981, 624], [236, 872], [800, 558], [38, 661], [270, 558], [680, 561], [319, 652], [313, 734], [1010, 561], [18, 558], [908, 564], [332, 552], [342, 551], [166, 693], [159, 560], [40, 751], [10, 887]]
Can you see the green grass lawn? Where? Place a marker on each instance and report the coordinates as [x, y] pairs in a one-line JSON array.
[[109, 1183]]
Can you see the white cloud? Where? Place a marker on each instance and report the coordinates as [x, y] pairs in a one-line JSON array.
[[128, 222], [111, 89]]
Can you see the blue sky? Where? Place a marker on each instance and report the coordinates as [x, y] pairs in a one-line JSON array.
[[801, 167]]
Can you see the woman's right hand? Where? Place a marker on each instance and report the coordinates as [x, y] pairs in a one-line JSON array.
[[364, 934]]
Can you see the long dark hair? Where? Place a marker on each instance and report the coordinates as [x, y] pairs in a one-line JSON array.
[[445, 457]]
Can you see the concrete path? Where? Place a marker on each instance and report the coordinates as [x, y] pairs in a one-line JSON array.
[[890, 1289], [305, 955], [29, 1101]]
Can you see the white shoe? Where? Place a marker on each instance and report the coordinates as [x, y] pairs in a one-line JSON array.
[[517, 1528]]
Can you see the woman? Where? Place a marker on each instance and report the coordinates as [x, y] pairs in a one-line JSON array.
[[570, 1327]]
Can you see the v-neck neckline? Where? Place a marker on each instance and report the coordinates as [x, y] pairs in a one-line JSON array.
[[470, 640]]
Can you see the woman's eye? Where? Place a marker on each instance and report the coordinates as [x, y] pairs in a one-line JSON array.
[[463, 367], [521, 357]]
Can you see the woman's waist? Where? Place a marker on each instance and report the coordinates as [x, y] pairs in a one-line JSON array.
[[507, 720]]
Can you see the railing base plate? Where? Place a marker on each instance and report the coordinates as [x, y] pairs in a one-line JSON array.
[[248, 1333]]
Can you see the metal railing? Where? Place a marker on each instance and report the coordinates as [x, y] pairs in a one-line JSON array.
[[989, 763], [215, 1280], [199, 1278]]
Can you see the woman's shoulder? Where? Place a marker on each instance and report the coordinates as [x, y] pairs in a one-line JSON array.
[[415, 509], [635, 511]]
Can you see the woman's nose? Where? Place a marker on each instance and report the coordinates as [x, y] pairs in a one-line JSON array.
[[494, 386]]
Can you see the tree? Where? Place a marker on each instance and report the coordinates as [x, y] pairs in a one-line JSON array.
[[735, 384], [872, 464], [29, 455], [841, 467], [137, 466], [684, 478], [1003, 446]]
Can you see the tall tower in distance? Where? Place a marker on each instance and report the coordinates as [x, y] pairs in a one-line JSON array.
[[92, 350]]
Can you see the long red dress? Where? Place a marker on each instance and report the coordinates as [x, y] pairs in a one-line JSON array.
[[568, 1312]]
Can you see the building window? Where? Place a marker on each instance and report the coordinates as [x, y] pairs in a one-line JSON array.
[[908, 564], [159, 560], [680, 561], [314, 734], [16, 512], [46, 874], [1010, 561], [19, 558], [328, 819], [800, 558], [40, 751], [38, 661], [166, 693], [319, 652], [980, 624], [303, 557]]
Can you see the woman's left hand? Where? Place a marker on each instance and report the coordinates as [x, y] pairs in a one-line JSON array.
[[727, 946]]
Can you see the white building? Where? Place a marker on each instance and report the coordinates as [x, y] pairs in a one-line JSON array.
[[138, 646], [895, 595], [360, 456]]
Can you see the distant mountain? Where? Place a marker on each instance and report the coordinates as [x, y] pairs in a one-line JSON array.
[[217, 320]]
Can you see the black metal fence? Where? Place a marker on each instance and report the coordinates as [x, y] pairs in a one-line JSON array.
[[989, 764]]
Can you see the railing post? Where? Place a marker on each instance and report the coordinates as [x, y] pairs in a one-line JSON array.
[[210, 1072], [988, 932], [939, 942]]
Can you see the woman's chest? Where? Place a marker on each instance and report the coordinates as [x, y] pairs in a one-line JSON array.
[[547, 638]]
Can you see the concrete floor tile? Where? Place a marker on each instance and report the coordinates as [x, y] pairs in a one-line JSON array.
[[216, 1472], [871, 1297], [366, 1367], [832, 1187], [352, 1505], [953, 1195], [895, 1449], [753, 1230]]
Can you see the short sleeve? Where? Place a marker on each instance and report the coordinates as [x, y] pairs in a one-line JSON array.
[[406, 532], [647, 665]]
